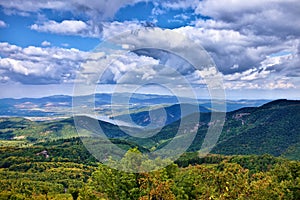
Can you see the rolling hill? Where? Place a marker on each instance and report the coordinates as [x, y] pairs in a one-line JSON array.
[[162, 116], [272, 128], [268, 129]]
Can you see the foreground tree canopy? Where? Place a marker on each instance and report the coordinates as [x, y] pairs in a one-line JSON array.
[[70, 174], [223, 180]]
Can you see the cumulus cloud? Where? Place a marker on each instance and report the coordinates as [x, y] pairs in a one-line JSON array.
[[230, 48], [132, 68], [52, 65], [36, 65], [96, 11], [4, 79], [2, 24], [248, 75], [246, 61], [100, 9], [176, 4], [113, 29], [275, 72], [262, 85], [45, 43], [245, 39], [270, 17], [32, 5], [152, 59], [68, 27]]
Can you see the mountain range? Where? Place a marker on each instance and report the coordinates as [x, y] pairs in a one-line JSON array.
[[62, 105], [272, 128]]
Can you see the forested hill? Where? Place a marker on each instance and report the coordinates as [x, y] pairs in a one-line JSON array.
[[272, 128]]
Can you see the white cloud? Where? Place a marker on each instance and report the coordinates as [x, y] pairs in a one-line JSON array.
[[179, 4], [154, 60], [7, 49], [235, 66], [36, 65], [13, 65], [212, 24], [45, 43], [67, 27], [263, 85], [2, 24], [35, 52], [115, 28], [118, 68], [244, 59], [97, 10], [267, 76], [232, 48], [261, 28], [182, 16], [217, 8], [248, 75], [240, 36], [132, 69], [4, 79], [65, 44], [270, 17], [32, 5]]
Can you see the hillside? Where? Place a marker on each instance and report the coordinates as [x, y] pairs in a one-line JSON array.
[[159, 117], [271, 128]]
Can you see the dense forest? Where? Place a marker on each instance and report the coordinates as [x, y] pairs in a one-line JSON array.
[[64, 169]]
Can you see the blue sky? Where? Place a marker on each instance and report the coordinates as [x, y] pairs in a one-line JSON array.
[[255, 45]]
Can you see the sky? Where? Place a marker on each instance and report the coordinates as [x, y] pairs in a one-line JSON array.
[[45, 46]]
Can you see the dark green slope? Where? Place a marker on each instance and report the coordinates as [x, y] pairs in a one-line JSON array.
[[272, 128]]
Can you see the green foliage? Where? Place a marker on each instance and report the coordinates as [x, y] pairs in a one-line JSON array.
[[270, 129], [225, 179], [111, 183], [210, 177], [292, 152], [114, 184], [26, 174]]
